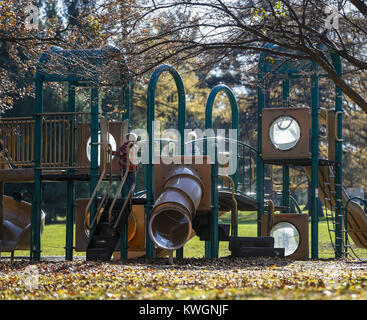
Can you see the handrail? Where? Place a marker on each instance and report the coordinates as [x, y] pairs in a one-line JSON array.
[[129, 195], [87, 223], [234, 211], [122, 183], [295, 204], [202, 139], [105, 145], [226, 139], [107, 193]]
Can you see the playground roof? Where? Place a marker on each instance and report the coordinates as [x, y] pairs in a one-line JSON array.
[[291, 67], [282, 64], [87, 67]]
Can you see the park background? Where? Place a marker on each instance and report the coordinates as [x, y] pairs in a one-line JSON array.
[[92, 24]]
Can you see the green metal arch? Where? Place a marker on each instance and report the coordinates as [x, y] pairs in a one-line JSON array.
[[150, 118], [212, 246], [210, 103], [234, 109], [151, 100]]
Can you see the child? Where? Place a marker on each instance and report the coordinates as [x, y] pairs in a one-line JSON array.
[[122, 153], [191, 137]]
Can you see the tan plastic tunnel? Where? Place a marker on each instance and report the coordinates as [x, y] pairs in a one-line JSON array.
[[170, 221]]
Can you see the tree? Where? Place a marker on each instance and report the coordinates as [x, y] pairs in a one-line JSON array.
[[300, 27], [70, 24]]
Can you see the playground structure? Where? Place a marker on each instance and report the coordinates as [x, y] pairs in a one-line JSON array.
[[177, 201]]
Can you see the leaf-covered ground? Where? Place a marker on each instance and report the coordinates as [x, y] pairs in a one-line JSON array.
[[225, 278]]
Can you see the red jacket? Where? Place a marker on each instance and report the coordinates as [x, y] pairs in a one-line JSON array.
[[122, 153]]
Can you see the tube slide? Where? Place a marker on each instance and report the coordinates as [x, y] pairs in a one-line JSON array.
[[170, 221]]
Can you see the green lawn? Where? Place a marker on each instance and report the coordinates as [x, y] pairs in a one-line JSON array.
[[53, 239]]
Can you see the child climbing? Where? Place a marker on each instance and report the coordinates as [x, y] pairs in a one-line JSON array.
[[122, 152]]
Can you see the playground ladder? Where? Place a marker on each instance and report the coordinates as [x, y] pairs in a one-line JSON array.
[[106, 235], [112, 220], [327, 192]]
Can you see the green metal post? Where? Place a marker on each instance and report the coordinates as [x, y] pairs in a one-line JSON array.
[[127, 102], [181, 130], [214, 233], [285, 176], [70, 195], [338, 162], [259, 160], [94, 150], [35, 249], [314, 163], [124, 247]]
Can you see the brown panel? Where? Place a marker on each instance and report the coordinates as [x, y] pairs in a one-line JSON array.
[[300, 221], [81, 240], [137, 243], [199, 164], [302, 149], [83, 134]]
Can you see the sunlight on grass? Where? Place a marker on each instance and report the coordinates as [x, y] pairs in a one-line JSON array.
[[54, 235]]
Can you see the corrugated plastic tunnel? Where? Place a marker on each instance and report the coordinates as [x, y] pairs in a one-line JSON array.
[[170, 221]]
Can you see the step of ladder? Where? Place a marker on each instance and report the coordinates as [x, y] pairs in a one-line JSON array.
[[258, 252], [106, 235], [204, 232], [254, 247], [267, 242]]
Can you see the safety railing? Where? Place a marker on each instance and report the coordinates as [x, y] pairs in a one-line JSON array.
[[106, 164], [234, 211], [17, 141], [247, 169], [276, 198], [245, 179], [58, 138], [234, 157]]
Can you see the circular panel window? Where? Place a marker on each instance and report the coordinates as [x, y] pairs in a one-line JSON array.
[[112, 141], [285, 236], [284, 133]]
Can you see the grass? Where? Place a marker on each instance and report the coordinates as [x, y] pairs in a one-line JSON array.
[[53, 239]]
